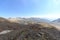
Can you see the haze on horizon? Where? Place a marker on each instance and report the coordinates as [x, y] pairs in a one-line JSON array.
[[30, 8]]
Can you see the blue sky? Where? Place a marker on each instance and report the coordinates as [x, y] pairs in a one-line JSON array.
[[30, 8]]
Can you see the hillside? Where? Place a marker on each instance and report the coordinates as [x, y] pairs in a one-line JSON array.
[[31, 31], [56, 22]]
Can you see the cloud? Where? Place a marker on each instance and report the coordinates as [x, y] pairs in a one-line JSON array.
[[52, 15], [48, 15]]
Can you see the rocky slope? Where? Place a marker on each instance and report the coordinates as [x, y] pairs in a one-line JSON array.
[[32, 31]]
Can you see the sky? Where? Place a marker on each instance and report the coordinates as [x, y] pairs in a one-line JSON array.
[[30, 8]]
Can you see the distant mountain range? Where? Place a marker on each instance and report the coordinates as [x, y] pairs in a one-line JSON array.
[[57, 20], [32, 19], [22, 20]]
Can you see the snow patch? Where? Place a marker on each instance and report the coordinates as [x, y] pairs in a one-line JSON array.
[[5, 31]]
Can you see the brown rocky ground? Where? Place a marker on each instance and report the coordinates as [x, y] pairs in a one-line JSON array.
[[42, 31]]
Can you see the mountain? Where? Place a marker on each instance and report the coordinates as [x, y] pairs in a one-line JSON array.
[[11, 29], [57, 21], [3, 19], [38, 19], [28, 20]]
